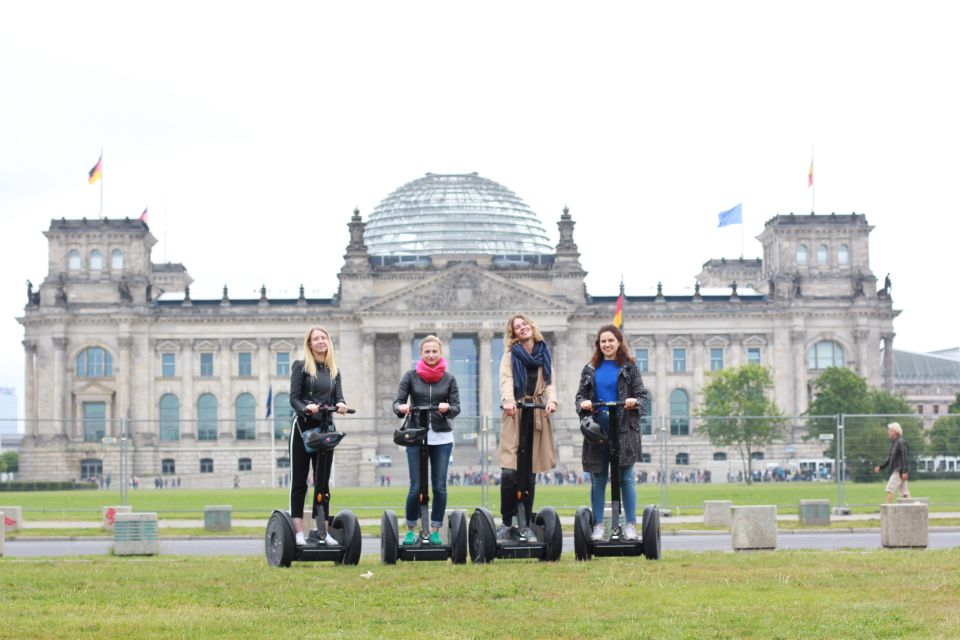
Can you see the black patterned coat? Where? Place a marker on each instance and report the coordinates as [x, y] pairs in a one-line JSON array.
[[629, 385]]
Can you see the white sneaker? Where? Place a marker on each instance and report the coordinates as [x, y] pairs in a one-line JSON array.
[[630, 531], [598, 532], [301, 540], [329, 541]]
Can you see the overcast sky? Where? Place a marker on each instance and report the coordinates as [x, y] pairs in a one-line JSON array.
[[251, 130]]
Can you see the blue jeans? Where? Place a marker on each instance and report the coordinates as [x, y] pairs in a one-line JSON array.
[[439, 462], [598, 482]]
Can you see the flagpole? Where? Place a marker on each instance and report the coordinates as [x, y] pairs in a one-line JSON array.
[[101, 182], [741, 232], [813, 185]]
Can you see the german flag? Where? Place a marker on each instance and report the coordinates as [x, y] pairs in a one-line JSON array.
[[618, 316], [97, 172]]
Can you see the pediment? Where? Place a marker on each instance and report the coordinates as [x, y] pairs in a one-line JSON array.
[[465, 287], [243, 345], [92, 388], [717, 341], [679, 342], [206, 345], [283, 345], [167, 346], [642, 342], [755, 341]]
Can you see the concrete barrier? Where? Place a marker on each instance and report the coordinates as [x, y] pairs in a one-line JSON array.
[[815, 512], [904, 525], [914, 500], [753, 527], [12, 519], [217, 517], [716, 513], [1, 536], [135, 534], [109, 514]]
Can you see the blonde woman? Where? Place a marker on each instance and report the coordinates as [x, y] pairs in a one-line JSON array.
[[314, 383], [526, 374]]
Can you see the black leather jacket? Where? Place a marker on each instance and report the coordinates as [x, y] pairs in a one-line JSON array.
[[418, 392], [306, 389]]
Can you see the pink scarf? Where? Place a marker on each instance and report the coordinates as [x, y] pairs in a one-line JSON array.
[[431, 374]]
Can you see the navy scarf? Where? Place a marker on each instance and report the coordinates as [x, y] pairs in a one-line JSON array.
[[521, 360]]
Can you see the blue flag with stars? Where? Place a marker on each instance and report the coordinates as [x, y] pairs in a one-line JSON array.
[[731, 216]]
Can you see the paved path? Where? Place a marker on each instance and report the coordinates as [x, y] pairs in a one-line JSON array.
[[944, 537]]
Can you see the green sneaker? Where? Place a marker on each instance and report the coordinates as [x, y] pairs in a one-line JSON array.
[[410, 538], [435, 538]]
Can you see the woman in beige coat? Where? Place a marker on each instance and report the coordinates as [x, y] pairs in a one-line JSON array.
[[526, 373]]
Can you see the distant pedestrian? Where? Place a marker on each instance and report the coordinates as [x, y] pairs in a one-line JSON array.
[[899, 462]]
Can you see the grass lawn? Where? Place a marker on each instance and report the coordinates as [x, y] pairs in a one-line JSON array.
[[944, 495], [784, 594]]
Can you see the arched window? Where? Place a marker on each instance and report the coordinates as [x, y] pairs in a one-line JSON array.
[[823, 254], [73, 260], [206, 465], [91, 468], [94, 362], [244, 464], [719, 456], [169, 417], [96, 260], [116, 260], [245, 417], [679, 413], [282, 415], [802, 254], [825, 354], [843, 254], [683, 458], [207, 417]]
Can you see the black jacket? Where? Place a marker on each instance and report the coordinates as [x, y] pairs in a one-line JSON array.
[[899, 458], [418, 392], [629, 385], [306, 389]]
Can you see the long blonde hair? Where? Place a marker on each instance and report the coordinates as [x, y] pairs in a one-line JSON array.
[[509, 339], [309, 363]]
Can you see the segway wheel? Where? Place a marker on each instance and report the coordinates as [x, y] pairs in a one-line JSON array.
[[348, 527], [482, 537], [582, 529], [457, 524], [549, 522], [279, 540], [651, 533], [389, 542]]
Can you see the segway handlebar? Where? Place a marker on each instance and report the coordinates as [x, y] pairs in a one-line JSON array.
[[529, 405], [424, 407], [615, 404], [326, 408]]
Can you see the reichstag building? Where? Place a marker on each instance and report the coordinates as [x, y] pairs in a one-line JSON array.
[[114, 341]]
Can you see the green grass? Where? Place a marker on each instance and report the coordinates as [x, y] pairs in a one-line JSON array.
[[845, 594], [684, 499]]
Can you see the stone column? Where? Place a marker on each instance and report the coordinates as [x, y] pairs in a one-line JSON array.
[[737, 351], [225, 401], [662, 364], [125, 379], [29, 388], [59, 389], [485, 378], [188, 405], [406, 351], [445, 338], [699, 362], [368, 371], [797, 339], [861, 338], [888, 370], [263, 429]]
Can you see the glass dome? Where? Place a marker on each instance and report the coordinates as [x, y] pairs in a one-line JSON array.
[[454, 214]]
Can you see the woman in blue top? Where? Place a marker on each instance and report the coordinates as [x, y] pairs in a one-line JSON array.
[[612, 376]]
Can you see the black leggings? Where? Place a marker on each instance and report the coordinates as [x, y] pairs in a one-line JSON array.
[[510, 477], [300, 464]]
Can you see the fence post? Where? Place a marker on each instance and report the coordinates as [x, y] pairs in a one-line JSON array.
[[664, 495], [841, 461]]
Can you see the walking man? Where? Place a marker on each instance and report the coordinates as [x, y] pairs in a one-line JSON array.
[[899, 462]]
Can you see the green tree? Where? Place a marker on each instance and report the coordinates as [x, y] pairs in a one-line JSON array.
[[945, 436], [955, 407], [10, 461], [732, 401]]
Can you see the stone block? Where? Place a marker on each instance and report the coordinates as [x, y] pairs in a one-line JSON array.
[[914, 500], [109, 514], [217, 517], [753, 527], [716, 513], [135, 534], [816, 512], [904, 525], [12, 518]]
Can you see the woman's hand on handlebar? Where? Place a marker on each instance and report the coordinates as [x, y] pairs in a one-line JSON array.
[[443, 407], [630, 403], [509, 408], [311, 409], [550, 408], [586, 405], [403, 409], [341, 407]]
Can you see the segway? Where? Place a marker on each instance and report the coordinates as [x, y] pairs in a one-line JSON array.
[[647, 544], [455, 547], [484, 546], [281, 546]]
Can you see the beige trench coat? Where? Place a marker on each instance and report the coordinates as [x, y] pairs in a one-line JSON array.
[[544, 448]]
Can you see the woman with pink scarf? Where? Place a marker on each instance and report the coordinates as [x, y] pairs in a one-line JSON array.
[[429, 384]]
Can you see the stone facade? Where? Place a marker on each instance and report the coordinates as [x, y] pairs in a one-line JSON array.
[[165, 347]]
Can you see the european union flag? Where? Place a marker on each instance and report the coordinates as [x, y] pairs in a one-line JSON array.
[[731, 216], [269, 401]]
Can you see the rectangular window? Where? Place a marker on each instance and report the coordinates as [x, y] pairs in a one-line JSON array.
[[245, 359], [936, 409], [169, 365], [168, 466], [716, 359], [206, 465], [643, 360], [753, 355], [94, 421], [679, 360], [283, 364], [206, 365]]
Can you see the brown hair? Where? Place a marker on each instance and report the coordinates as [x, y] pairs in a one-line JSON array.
[[623, 351], [509, 339]]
